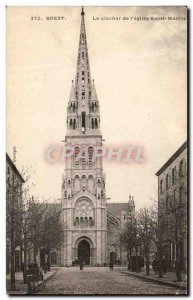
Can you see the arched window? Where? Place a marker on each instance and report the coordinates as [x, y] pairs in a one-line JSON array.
[[74, 124], [167, 182], [70, 123], [83, 181], [81, 222], [90, 156], [161, 186], [96, 123], [77, 222], [86, 221], [77, 183], [83, 94], [90, 222], [90, 182], [92, 123], [182, 168], [83, 159], [83, 120], [73, 107], [76, 152], [174, 175]]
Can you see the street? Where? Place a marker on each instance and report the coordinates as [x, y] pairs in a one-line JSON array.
[[101, 281]]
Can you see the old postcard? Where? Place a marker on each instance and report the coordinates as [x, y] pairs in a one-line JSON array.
[[96, 162]]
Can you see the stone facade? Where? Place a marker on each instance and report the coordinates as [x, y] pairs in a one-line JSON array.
[[118, 214], [84, 210], [172, 205], [90, 233]]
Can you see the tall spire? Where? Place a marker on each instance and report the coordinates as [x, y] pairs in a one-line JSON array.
[[83, 116], [83, 78]]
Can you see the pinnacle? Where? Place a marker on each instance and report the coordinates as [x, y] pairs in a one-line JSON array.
[[82, 12], [72, 93]]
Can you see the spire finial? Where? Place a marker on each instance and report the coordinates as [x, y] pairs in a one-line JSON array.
[[82, 12]]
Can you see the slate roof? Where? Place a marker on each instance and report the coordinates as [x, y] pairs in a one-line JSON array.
[[117, 208]]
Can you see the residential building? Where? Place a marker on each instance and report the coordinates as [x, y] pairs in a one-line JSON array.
[[172, 207]]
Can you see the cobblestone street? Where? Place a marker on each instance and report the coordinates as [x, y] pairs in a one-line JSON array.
[[100, 280]]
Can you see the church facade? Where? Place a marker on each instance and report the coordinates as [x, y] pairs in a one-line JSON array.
[[91, 226], [84, 209]]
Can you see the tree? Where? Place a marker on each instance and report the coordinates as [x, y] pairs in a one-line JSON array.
[[157, 225], [174, 213], [145, 232], [130, 239], [52, 229]]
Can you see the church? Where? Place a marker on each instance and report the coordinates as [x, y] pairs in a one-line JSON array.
[[91, 225]]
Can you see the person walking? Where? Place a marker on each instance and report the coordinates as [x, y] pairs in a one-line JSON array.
[[81, 265], [111, 265]]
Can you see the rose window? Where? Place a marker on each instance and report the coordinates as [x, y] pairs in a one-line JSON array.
[[84, 214]]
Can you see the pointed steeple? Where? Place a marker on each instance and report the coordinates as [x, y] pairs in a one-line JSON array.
[[83, 78], [85, 109]]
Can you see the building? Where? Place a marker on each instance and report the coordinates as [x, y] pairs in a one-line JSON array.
[[118, 214], [91, 233], [172, 207], [83, 185], [14, 182]]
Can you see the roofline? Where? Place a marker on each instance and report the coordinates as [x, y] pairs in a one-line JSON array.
[[172, 158], [115, 216], [14, 167]]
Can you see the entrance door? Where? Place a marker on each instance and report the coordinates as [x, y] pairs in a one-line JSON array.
[[84, 252]]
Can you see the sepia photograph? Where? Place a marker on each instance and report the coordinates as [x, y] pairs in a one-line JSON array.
[[97, 150]]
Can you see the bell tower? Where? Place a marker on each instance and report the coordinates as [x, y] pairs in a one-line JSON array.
[[83, 183]]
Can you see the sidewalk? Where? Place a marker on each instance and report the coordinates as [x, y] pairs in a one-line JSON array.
[[21, 288], [168, 279]]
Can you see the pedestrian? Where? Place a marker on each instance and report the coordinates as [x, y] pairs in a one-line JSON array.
[[155, 265], [81, 265], [111, 265]]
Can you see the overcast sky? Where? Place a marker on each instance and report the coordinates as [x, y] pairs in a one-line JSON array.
[[139, 69]]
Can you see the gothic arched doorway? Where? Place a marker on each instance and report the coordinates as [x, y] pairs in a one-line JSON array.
[[84, 252]]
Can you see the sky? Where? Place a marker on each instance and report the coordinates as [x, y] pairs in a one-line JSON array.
[[140, 73]]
